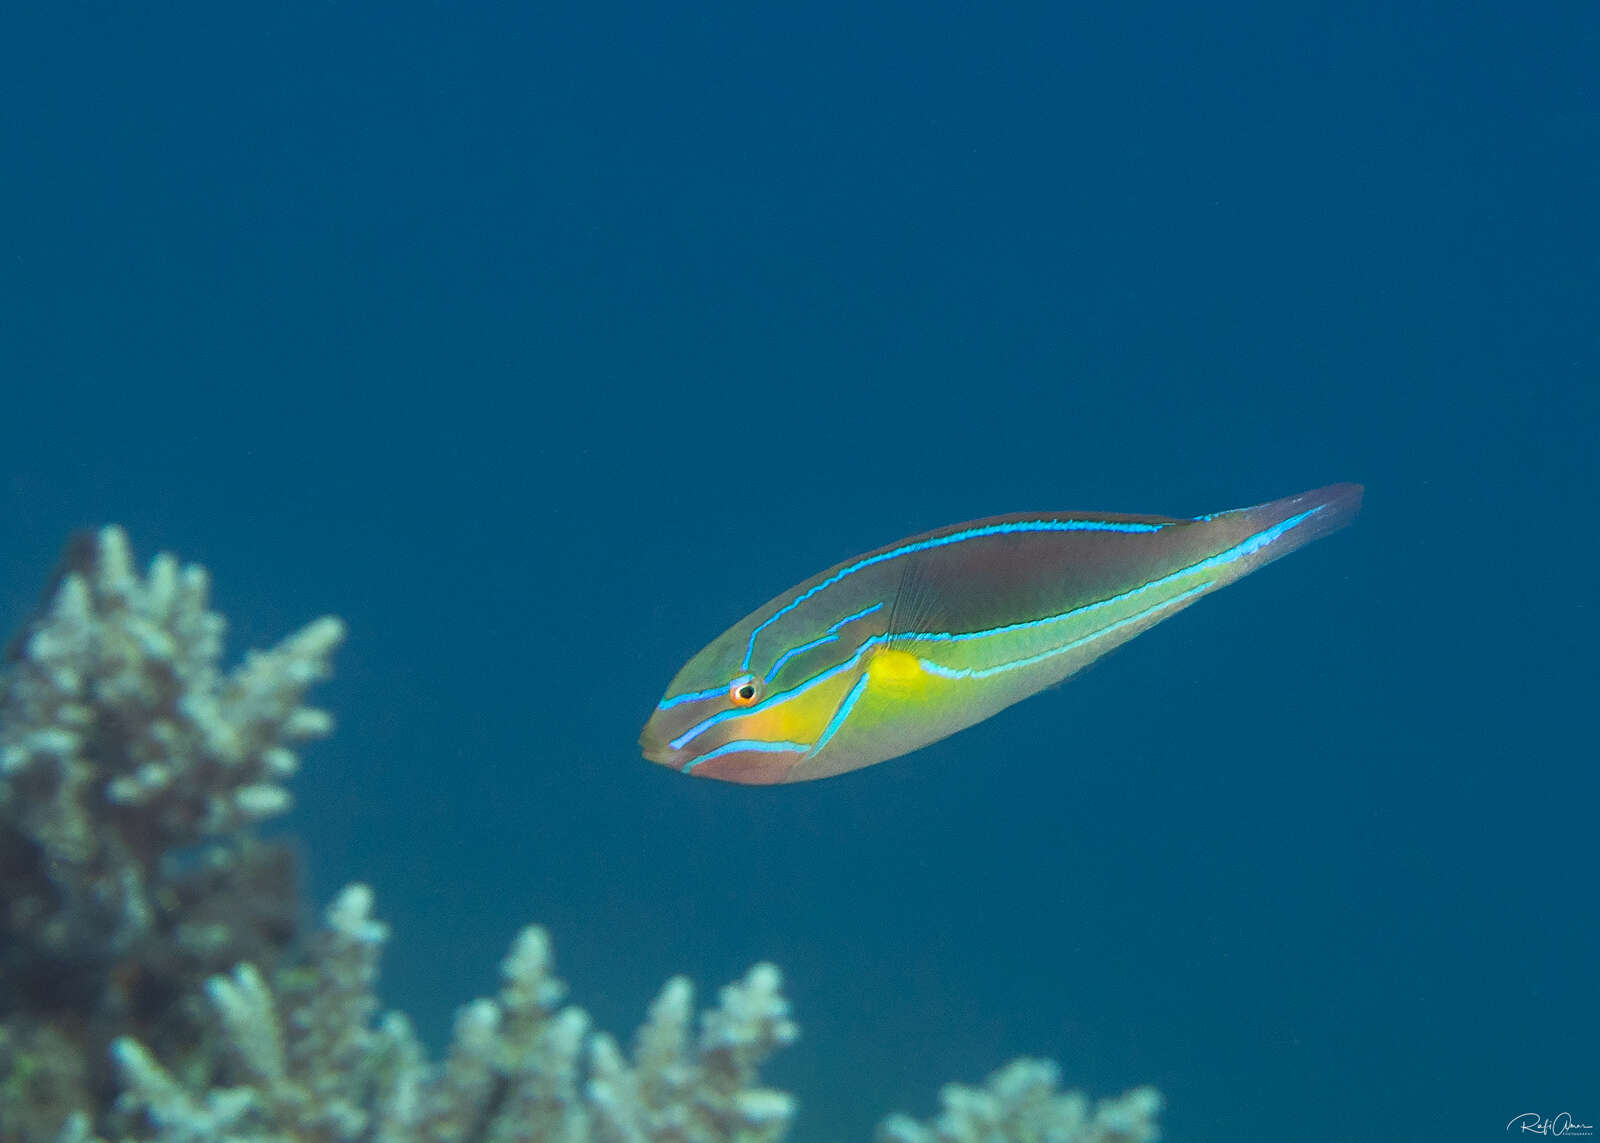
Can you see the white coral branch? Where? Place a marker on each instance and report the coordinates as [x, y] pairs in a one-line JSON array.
[[1022, 1101], [121, 739]]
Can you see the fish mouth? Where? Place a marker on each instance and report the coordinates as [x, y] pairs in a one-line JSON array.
[[655, 749]]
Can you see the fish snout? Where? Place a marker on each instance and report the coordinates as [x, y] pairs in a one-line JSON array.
[[654, 744]]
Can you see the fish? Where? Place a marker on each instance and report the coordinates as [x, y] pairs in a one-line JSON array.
[[895, 649]]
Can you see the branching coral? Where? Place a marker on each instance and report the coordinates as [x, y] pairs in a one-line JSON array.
[[306, 1061], [131, 767], [153, 985], [1023, 1104], [123, 739], [121, 742]]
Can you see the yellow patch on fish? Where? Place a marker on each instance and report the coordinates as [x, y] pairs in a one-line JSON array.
[[897, 669], [800, 718]]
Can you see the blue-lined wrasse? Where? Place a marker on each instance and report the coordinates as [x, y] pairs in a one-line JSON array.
[[891, 650]]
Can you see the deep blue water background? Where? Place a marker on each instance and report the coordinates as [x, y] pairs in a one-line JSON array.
[[543, 346]]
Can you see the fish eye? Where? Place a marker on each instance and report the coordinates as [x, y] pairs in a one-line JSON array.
[[743, 691]]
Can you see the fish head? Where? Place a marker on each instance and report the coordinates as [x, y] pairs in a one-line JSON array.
[[747, 710]]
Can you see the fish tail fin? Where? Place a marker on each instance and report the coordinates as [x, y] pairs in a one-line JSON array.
[[1270, 531]]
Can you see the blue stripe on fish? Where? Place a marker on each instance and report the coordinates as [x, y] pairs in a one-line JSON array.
[[841, 714], [820, 641], [751, 744], [692, 696], [862, 614], [1000, 668], [943, 541]]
